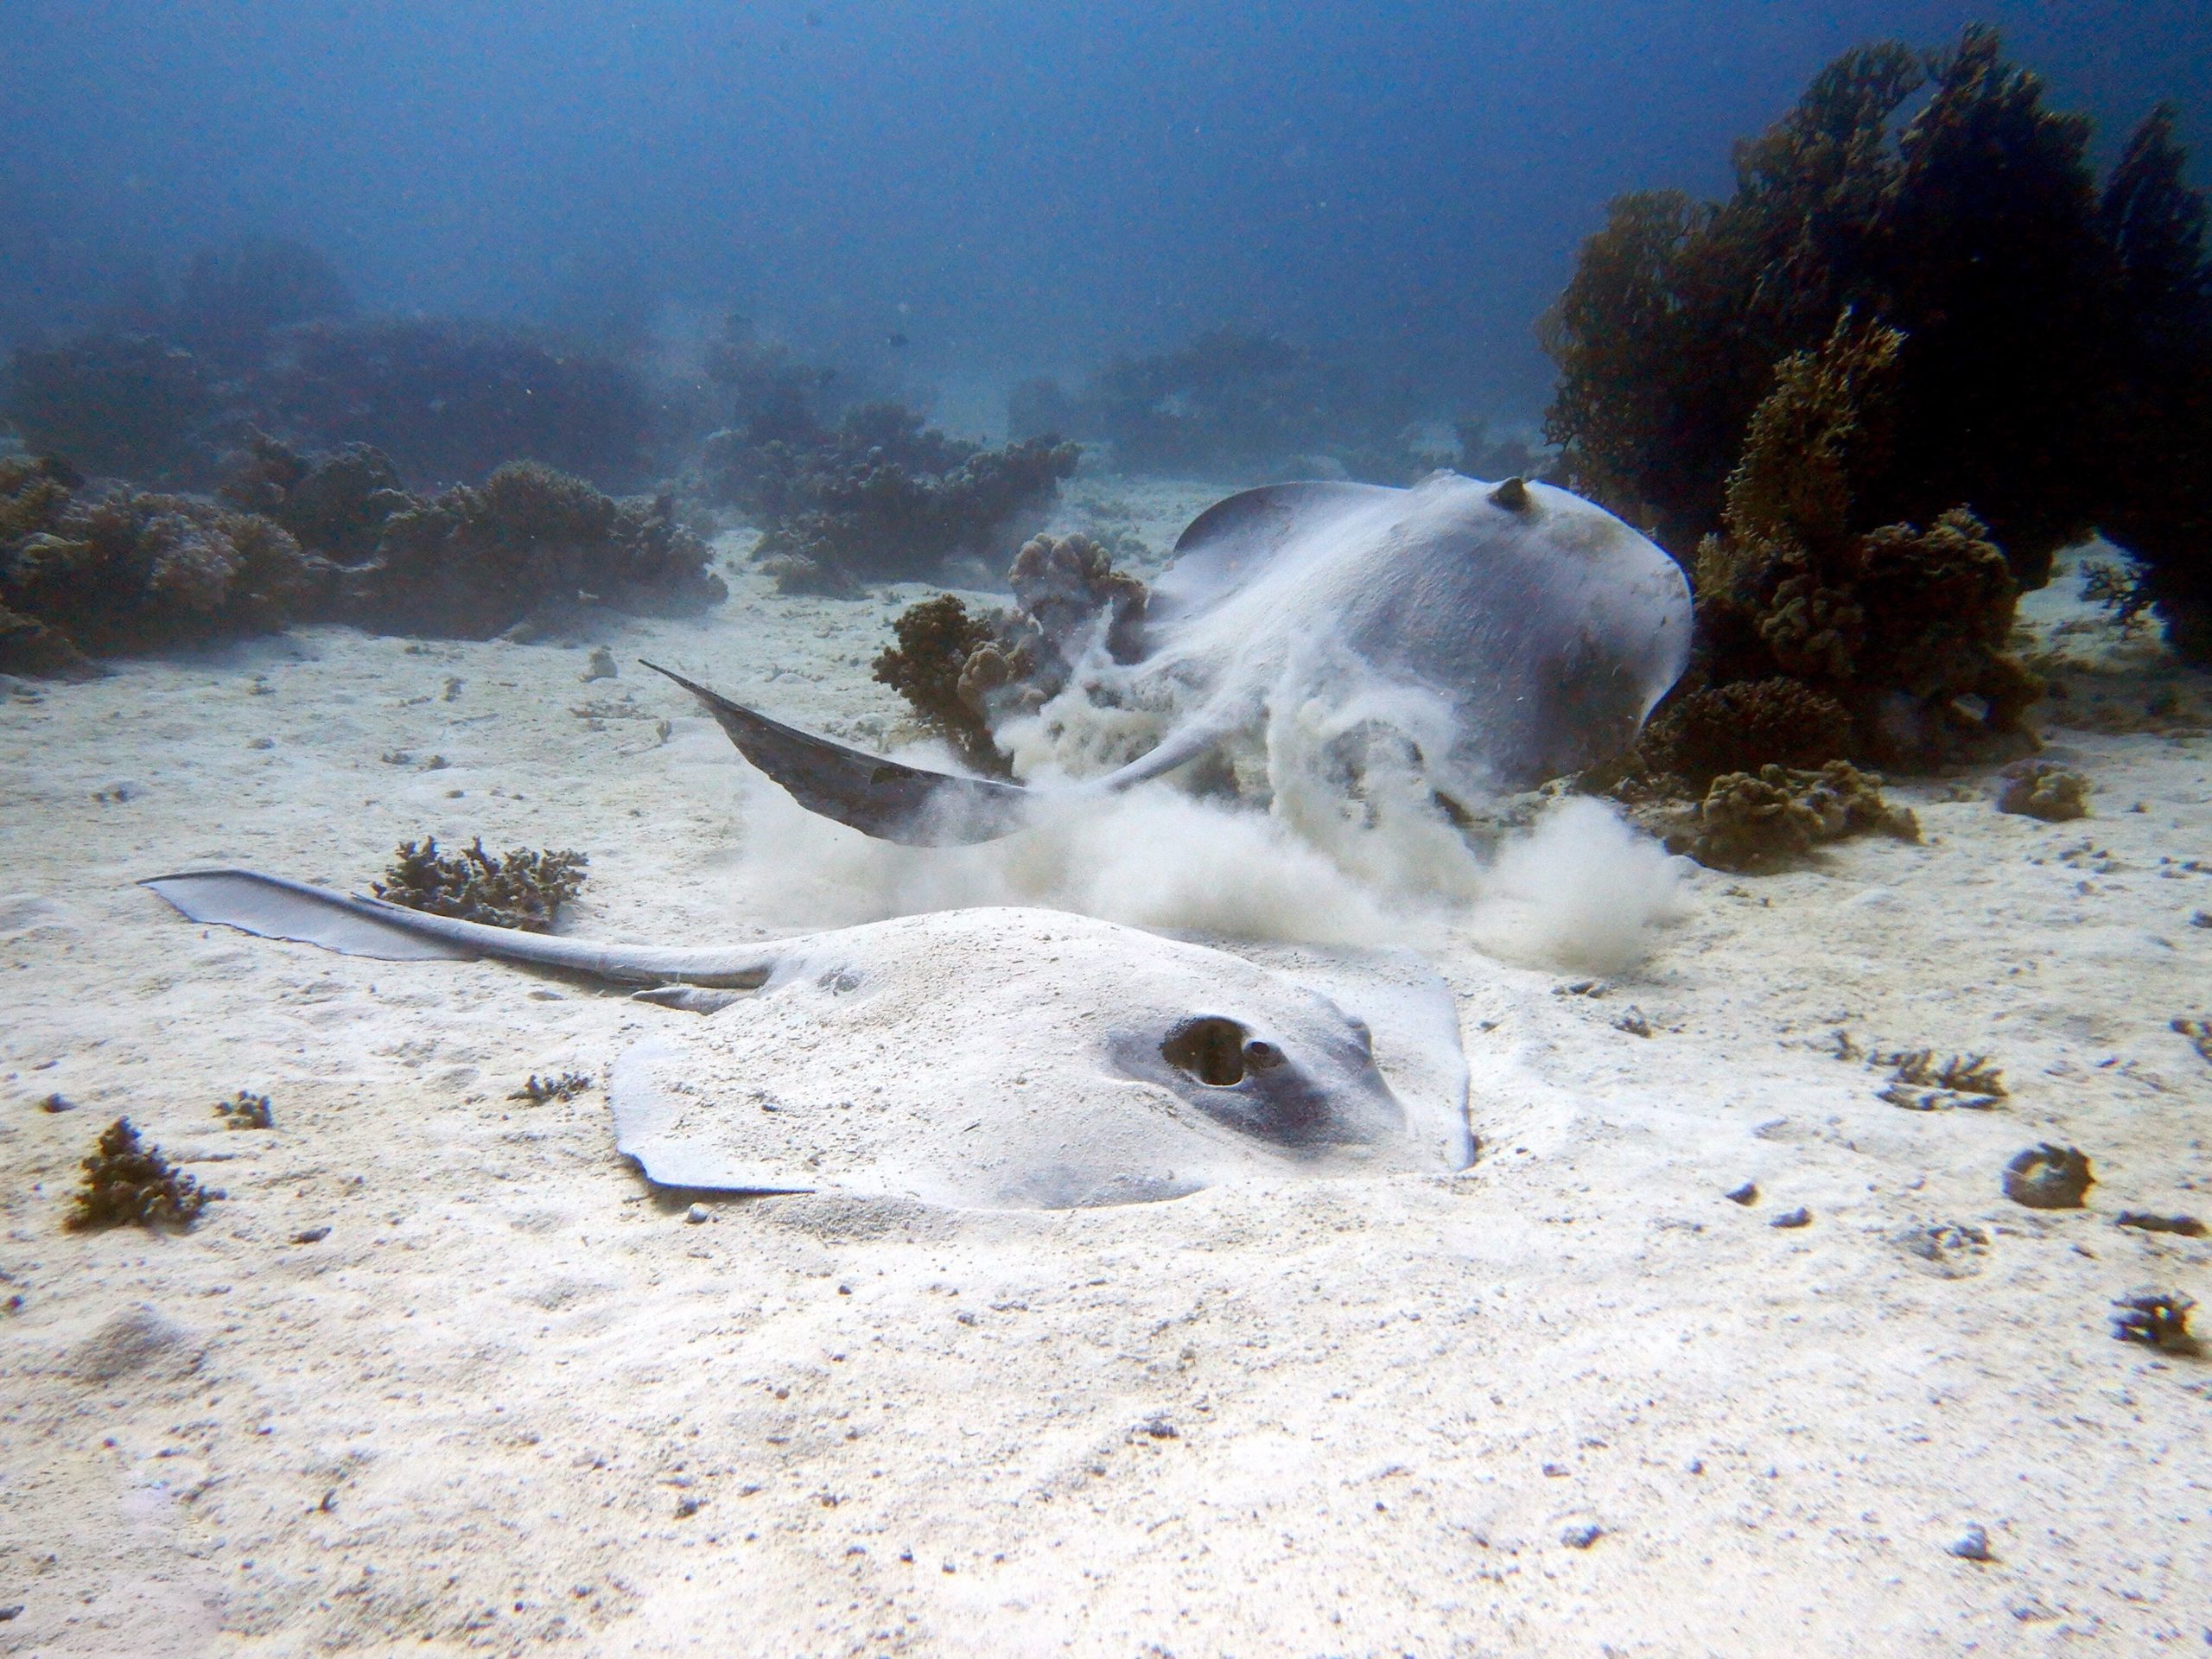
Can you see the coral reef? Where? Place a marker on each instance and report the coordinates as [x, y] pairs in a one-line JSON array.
[[335, 503], [2157, 1318], [2046, 1177], [245, 1111], [2049, 373], [127, 1181], [878, 497], [530, 543], [521, 889], [957, 670], [120, 405], [87, 573], [1750, 823], [538, 1091], [2040, 788], [449, 401]]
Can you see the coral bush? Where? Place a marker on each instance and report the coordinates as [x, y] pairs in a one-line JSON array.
[[530, 543], [126, 1181], [957, 670], [2035, 321], [122, 405], [880, 495], [88, 572], [1754, 822], [448, 401], [335, 503], [522, 888]]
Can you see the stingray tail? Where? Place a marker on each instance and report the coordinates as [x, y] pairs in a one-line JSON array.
[[877, 796]]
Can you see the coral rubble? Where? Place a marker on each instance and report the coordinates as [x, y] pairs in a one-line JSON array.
[[2047, 1177], [245, 1110], [2157, 1318], [521, 889], [126, 1180], [2043, 348], [566, 1086]]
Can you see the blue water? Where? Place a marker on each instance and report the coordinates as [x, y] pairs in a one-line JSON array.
[[1010, 188]]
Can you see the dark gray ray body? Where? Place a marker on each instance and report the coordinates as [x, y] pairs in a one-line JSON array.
[[1102, 1064], [1541, 627]]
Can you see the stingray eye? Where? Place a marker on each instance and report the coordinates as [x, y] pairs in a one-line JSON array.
[[1210, 1049], [1262, 1056]]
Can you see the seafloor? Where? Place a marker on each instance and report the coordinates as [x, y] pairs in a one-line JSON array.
[[1573, 1400]]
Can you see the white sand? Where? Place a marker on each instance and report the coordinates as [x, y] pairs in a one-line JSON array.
[[1354, 1417]]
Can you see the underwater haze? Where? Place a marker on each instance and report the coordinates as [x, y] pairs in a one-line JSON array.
[[956, 195]]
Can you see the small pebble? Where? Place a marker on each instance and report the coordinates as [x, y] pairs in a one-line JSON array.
[[1971, 1545], [696, 1213], [1748, 1193], [601, 666], [57, 1103], [311, 1235], [1793, 1219], [1582, 1537], [687, 1506]]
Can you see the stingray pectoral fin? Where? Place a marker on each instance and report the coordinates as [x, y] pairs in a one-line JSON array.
[[273, 908], [876, 795]]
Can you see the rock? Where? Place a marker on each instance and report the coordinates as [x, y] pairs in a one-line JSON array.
[[1747, 1194], [1582, 1537], [2046, 1177], [1971, 1545], [2037, 789], [2187, 1226], [601, 666], [1799, 1217], [696, 1213], [311, 1235]]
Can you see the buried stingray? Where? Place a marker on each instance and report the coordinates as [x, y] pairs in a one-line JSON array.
[[980, 1058], [1533, 630]]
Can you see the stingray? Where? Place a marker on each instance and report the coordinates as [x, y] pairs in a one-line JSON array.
[[987, 1058], [1543, 628]]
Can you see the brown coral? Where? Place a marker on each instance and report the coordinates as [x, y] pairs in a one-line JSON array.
[[522, 888], [945, 663], [2039, 789], [127, 1181], [1751, 823]]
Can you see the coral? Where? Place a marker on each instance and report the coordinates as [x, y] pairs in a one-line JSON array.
[[245, 1110], [1750, 823], [2199, 1033], [124, 405], [539, 1089], [532, 541], [521, 889], [2051, 373], [2156, 1319], [878, 497], [89, 573], [450, 401], [1918, 1085], [2046, 1177], [335, 503], [2039, 789], [2146, 1221], [957, 670], [1743, 726], [931, 668], [126, 1181]]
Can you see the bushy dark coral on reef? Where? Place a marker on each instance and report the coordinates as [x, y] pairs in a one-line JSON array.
[[880, 495], [957, 670], [449, 401], [335, 503], [530, 543], [2047, 373], [121, 405], [522, 888], [126, 1181], [91, 573]]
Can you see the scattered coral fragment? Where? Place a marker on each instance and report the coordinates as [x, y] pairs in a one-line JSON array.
[[1918, 1085], [2046, 1177], [245, 1111], [2038, 789], [127, 1181], [2156, 1319], [539, 1089], [522, 888]]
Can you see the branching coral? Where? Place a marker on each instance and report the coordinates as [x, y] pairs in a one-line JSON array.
[[94, 573], [127, 1181], [957, 670], [531, 542], [880, 496], [2050, 368], [1753, 823], [521, 889]]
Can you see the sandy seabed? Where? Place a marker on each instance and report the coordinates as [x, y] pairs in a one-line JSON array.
[[1573, 1400]]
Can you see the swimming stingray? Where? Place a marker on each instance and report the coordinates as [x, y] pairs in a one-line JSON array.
[[1544, 626], [983, 1058]]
